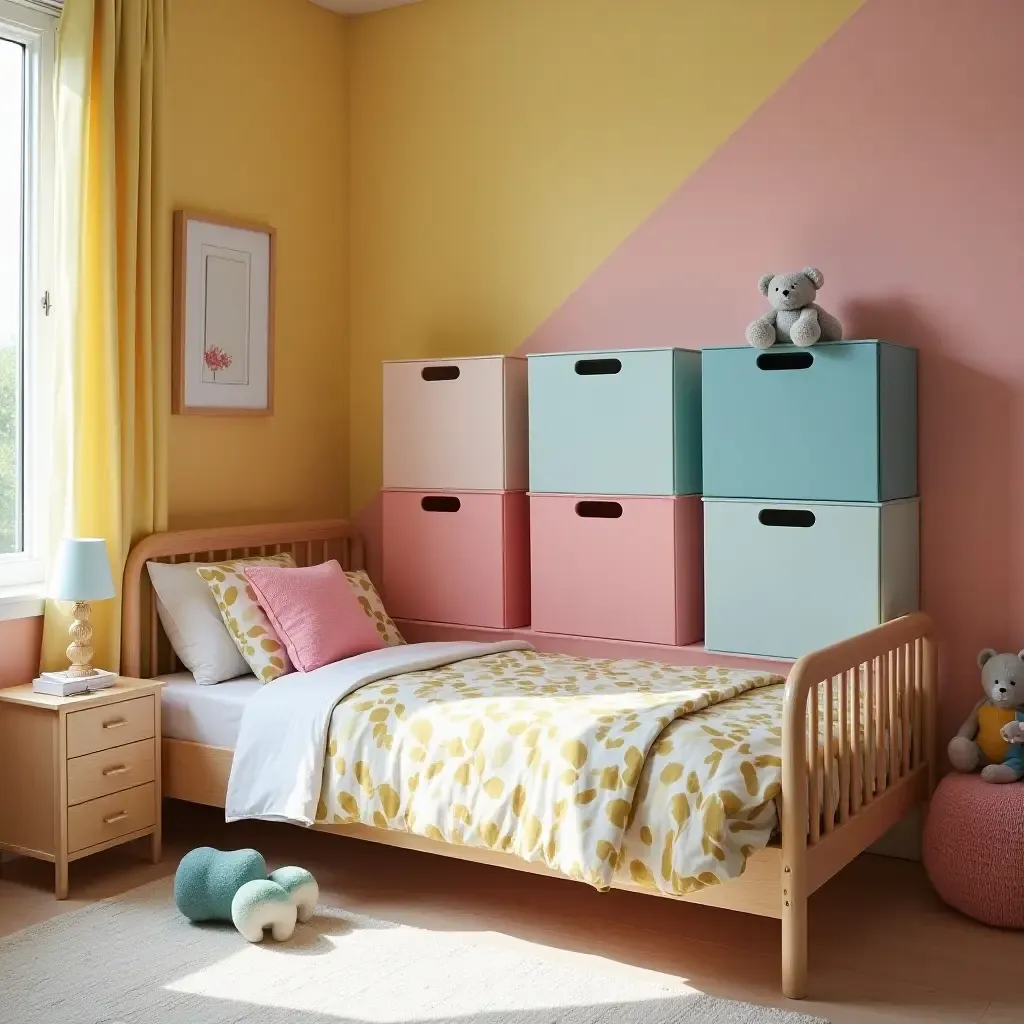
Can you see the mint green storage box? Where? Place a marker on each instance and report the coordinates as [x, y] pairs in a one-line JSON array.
[[834, 422], [785, 578], [624, 422]]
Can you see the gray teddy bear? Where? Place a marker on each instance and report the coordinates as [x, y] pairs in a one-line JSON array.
[[992, 738], [794, 315]]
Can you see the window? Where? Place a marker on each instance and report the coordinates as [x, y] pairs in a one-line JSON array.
[[27, 36]]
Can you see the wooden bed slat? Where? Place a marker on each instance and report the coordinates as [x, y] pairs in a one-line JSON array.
[[930, 713], [828, 799], [816, 768], [918, 705], [894, 715], [881, 749], [844, 750], [856, 743], [906, 675], [870, 759]]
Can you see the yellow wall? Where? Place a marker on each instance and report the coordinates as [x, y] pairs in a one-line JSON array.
[[503, 148], [258, 129]]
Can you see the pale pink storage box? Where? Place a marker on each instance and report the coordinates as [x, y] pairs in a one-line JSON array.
[[461, 558], [456, 424], [623, 568]]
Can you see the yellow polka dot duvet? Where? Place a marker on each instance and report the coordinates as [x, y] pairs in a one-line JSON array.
[[605, 771]]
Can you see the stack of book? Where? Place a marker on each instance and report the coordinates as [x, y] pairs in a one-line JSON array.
[[63, 684]]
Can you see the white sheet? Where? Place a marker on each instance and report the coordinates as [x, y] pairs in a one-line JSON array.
[[204, 714], [279, 758]]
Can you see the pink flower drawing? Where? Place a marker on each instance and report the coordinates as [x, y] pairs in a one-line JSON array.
[[216, 359]]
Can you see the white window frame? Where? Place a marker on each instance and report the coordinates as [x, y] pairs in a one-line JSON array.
[[22, 573]]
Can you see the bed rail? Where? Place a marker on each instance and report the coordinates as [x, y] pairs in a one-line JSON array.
[[867, 706], [145, 651]]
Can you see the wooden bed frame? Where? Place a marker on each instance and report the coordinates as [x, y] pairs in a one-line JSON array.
[[884, 682]]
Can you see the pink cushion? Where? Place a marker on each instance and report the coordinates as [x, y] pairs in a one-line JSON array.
[[973, 851], [315, 612]]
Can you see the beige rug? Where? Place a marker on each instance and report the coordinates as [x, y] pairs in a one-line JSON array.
[[135, 960]]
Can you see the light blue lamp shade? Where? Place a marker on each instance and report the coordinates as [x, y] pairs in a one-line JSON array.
[[81, 571]]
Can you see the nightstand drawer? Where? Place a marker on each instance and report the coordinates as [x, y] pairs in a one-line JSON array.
[[112, 725], [109, 817], [110, 771]]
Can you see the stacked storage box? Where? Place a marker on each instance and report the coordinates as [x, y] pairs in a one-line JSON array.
[[810, 483], [455, 510], [615, 480]]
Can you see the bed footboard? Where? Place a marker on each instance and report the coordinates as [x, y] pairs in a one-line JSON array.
[[868, 706]]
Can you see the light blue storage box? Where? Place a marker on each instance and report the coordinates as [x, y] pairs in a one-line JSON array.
[[834, 422], [785, 578], [620, 423]]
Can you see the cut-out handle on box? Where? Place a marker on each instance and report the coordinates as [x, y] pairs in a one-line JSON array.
[[799, 518], [440, 503], [784, 360], [440, 373], [598, 510], [597, 367]]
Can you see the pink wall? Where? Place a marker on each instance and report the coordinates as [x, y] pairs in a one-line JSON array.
[[894, 160], [20, 641]]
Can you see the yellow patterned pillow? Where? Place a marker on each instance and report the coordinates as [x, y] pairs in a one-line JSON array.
[[374, 607], [246, 621]]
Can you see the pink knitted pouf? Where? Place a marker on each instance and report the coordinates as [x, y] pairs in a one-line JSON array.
[[973, 849]]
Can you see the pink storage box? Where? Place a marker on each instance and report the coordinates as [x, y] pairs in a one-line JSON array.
[[456, 424], [458, 557], [621, 568]]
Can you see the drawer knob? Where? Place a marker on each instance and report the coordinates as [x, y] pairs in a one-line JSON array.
[[599, 509], [785, 360], [597, 367], [111, 818], [119, 770], [440, 373], [800, 518], [440, 503], [115, 723]]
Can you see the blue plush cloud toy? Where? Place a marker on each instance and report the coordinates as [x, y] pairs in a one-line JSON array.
[[214, 885]]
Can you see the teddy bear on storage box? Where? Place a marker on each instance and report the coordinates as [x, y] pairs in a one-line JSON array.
[[794, 315]]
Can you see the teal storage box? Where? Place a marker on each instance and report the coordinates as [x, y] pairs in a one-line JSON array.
[[834, 422], [625, 422], [785, 578]]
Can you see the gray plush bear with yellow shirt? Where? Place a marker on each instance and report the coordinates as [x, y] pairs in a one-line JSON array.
[[794, 315], [991, 738]]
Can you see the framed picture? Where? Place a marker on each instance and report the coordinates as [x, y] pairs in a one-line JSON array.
[[223, 346]]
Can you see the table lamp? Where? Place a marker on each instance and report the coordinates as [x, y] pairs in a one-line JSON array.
[[81, 573]]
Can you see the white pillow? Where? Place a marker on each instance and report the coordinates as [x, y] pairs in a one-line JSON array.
[[192, 622]]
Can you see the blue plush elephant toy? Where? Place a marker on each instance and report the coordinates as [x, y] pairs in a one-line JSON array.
[[212, 885]]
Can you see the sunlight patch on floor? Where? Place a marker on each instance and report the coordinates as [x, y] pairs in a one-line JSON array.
[[395, 974]]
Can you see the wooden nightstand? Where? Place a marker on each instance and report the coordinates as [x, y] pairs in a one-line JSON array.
[[79, 774]]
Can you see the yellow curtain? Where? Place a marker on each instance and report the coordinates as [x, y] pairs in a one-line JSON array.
[[112, 355]]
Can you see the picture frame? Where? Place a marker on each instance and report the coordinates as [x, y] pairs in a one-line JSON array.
[[223, 316]]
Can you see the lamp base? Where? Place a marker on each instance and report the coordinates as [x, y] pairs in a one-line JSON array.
[[79, 651]]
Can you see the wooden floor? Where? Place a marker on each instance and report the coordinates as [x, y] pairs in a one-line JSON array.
[[882, 946]]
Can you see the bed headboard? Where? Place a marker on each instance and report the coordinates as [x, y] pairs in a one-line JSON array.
[[145, 650]]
